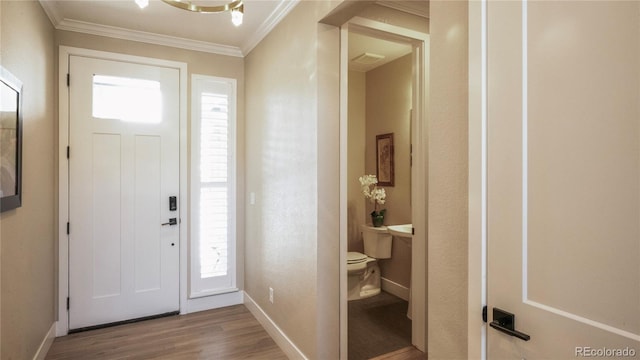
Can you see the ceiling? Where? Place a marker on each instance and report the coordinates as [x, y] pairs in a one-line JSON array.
[[385, 51], [162, 24]]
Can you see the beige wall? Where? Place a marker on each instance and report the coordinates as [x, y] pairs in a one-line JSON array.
[[328, 244], [27, 233], [357, 213], [292, 232], [281, 165], [395, 17], [388, 109], [285, 168], [448, 174], [29, 48]]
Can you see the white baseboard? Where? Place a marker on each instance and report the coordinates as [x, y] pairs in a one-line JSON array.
[[394, 288], [45, 345], [214, 302], [289, 348]]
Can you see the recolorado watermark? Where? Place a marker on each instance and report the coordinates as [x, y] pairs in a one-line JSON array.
[[587, 351]]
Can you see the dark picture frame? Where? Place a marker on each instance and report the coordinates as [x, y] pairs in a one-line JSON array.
[[10, 141], [384, 160]]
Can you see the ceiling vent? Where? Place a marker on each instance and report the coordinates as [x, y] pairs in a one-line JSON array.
[[367, 58]]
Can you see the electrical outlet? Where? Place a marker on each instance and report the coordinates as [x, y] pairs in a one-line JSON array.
[[271, 295]]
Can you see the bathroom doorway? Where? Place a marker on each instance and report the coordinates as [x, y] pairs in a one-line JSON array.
[[384, 79]]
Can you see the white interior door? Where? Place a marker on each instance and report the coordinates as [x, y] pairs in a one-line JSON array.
[[124, 159], [564, 177]]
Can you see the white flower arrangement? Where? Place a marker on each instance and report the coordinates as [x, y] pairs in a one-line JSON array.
[[373, 193]]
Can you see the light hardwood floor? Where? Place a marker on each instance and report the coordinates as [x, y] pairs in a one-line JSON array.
[[223, 334], [408, 353], [227, 333]]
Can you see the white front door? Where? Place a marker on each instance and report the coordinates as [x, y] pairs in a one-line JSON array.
[[564, 178], [124, 159]]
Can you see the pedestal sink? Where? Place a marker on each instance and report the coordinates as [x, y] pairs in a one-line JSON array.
[[404, 231]]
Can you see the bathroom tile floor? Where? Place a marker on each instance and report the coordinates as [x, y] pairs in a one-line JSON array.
[[378, 325]]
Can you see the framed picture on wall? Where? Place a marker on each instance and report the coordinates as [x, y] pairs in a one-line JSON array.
[[384, 161], [10, 141]]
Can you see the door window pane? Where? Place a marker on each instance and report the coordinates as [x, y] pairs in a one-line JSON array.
[[127, 99]]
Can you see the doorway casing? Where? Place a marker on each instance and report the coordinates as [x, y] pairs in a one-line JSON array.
[[420, 65], [477, 249]]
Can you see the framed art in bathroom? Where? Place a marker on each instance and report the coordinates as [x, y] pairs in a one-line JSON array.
[[10, 141], [384, 159]]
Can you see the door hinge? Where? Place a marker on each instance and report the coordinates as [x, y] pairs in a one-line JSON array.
[[410, 155], [68, 79], [68, 151], [484, 313], [68, 228], [68, 303]]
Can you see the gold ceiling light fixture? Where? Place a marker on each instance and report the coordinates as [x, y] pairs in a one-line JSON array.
[[235, 7]]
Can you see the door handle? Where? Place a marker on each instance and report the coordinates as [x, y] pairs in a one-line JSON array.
[[505, 321], [172, 221]]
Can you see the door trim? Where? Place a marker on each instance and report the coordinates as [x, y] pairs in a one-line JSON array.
[[477, 188], [62, 324]]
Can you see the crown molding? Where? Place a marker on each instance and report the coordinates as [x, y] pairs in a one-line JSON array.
[[405, 7], [51, 11], [279, 13], [147, 37]]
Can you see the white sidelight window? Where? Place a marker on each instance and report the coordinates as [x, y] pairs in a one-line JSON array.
[[213, 192]]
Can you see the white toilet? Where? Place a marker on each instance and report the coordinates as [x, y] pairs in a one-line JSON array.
[[363, 271]]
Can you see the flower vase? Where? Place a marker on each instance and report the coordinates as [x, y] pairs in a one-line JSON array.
[[377, 219]]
